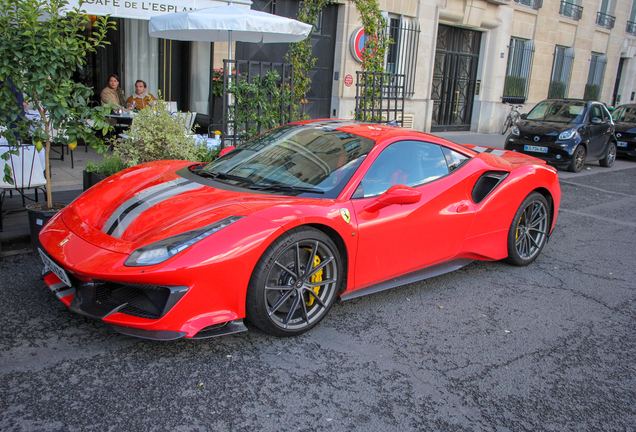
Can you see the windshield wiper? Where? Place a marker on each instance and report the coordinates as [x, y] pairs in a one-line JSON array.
[[286, 187], [224, 176]]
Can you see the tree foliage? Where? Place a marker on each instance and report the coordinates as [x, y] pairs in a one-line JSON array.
[[374, 25], [42, 43], [300, 55]]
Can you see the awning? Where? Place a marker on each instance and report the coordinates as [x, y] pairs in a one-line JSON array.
[[144, 9]]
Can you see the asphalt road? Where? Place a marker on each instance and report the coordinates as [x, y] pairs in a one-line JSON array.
[[491, 347]]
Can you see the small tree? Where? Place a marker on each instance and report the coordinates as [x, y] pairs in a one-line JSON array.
[[42, 43]]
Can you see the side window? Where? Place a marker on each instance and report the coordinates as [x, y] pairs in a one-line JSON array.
[[410, 163], [454, 159], [596, 112], [606, 115]]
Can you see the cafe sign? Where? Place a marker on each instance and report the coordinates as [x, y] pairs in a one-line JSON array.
[[144, 9]]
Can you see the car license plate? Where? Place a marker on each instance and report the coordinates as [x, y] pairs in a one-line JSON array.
[[622, 144], [59, 271], [535, 149]]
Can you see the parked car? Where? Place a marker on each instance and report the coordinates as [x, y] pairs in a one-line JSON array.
[[278, 228], [625, 120], [566, 133]]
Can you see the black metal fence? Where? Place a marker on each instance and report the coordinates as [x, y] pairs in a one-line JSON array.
[[257, 96], [379, 97], [561, 71], [518, 70], [631, 27], [402, 53], [605, 20], [571, 10]]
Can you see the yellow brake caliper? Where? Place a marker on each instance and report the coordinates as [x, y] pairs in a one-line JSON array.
[[314, 278]]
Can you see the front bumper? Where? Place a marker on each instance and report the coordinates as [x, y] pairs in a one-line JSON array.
[[558, 154], [626, 147]]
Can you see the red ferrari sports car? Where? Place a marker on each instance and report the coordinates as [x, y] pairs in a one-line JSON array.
[[278, 228]]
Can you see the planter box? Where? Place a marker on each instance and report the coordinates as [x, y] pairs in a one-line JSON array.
[[91, 179]]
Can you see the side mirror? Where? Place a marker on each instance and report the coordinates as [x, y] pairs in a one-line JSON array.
[[596, 121], [398, 194], [226, 150], [523, 116]]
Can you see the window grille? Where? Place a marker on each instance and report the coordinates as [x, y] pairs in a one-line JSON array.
[[631, 21], [571, 10], [402, 53], [520, 54], [605, 20], [534, 4], [561, 70], [595, 77]]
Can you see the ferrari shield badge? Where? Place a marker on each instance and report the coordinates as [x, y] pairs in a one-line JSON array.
[[63, 242], [345, 215]]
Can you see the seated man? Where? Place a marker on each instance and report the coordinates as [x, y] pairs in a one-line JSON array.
[[141, 98]]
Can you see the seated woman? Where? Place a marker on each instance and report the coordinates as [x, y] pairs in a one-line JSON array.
[[141, 99], [113, 94]]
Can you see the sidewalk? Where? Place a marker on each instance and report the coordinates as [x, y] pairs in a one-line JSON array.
[[66, 185]]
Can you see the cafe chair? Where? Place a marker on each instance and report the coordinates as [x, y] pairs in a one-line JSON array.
[[27, 173]]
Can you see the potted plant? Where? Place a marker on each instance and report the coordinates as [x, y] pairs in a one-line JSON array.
[[156, 134], [42, 43], [95, 172]]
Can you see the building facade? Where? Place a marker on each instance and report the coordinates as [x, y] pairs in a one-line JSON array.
[[461, 58]]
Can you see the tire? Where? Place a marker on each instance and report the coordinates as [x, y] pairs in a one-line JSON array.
[[610, 156], [578, 159], [272, 302], [506, 125], [528, 232]]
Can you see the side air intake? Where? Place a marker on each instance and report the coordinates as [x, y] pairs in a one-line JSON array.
[[486, 184]]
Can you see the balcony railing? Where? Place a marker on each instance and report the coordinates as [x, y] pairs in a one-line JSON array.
[[631, 27], [534, 4], [605, 20], [571, 10]]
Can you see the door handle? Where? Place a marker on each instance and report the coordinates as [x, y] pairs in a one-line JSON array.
[[462, 207], [456, 101]]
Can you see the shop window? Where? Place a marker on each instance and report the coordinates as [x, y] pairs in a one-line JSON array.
[[520, 53]]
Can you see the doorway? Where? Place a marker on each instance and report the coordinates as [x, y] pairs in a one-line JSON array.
[[454, 78]]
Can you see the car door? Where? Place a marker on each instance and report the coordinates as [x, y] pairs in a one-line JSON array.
[[599, 129], [398, 239]]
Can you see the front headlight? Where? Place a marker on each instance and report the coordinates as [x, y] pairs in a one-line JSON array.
[[160, 251], [515, 130], [568, 134]]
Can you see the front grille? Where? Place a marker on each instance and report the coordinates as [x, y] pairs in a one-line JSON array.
[[144, 301]]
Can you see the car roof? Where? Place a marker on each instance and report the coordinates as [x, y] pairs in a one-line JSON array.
[[374, 131], [585, 101]]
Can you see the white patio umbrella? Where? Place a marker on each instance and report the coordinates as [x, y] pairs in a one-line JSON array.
[[228, 23]]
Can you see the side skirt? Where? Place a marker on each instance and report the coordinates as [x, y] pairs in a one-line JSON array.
[[425, 273]]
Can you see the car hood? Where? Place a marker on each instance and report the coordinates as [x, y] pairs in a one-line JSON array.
[[531, 127], [151, 202], [625, 127]]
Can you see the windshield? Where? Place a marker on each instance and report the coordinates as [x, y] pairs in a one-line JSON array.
[[300, 160], [558, 111], [625, 114]]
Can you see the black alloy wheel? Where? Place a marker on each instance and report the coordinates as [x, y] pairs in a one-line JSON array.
[[529, 230], [578, 159], [295, 282], [610, 156]]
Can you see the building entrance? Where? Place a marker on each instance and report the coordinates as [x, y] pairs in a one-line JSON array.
[[454, 78]]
